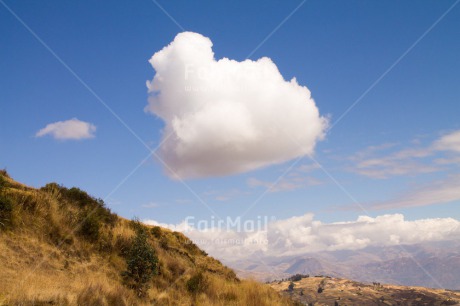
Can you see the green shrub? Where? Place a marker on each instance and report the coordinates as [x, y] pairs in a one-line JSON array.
[[78, 196], [89, 227], [197, 283], [156, 232], [104, 214], [50, 187], [2, 182], [4, 173], [295, 278], [141, 260], [6, 211]]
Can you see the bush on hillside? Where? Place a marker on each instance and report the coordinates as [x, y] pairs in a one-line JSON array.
[[197, 283], [3, 179], [6, 211], [141, 260], [84, 200], [78, 196], [51, 187], [156, 232], [94, 208], [89, 227], [6, 206], [3, 172], [298, 277], [2, 182]]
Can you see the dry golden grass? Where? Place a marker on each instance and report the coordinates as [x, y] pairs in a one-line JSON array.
[[37, 273], [46, 260]]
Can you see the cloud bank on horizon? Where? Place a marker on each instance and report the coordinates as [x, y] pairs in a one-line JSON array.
[[302, 234], [72, 129], [226, 117]]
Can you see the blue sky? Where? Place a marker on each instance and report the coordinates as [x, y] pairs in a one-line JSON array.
[[337, 49]]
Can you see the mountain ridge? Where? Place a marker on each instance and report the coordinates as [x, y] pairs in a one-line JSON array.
[[434, 264]]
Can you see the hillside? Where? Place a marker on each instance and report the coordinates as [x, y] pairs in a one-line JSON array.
[[321, 290], [60, 246]]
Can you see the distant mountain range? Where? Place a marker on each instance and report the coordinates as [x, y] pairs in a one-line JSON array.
[[433, 265]]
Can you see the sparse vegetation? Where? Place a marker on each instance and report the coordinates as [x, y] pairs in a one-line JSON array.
[[327, 290]]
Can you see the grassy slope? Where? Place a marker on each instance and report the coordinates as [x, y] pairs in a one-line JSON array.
[[59, 246]]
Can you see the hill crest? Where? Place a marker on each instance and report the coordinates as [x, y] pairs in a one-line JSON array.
[[61, 246]]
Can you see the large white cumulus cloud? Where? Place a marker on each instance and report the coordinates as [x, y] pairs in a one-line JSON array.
[[302, 234], [223, 116]]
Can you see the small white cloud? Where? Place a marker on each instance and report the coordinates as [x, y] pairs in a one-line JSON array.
[[225, 117], [224, 195], [376, 162], [403, 162], [183, 201], [437, 192], [151, 205], [73, 129], [287, 183], [306, 168], [298, 178], [449, 142]]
